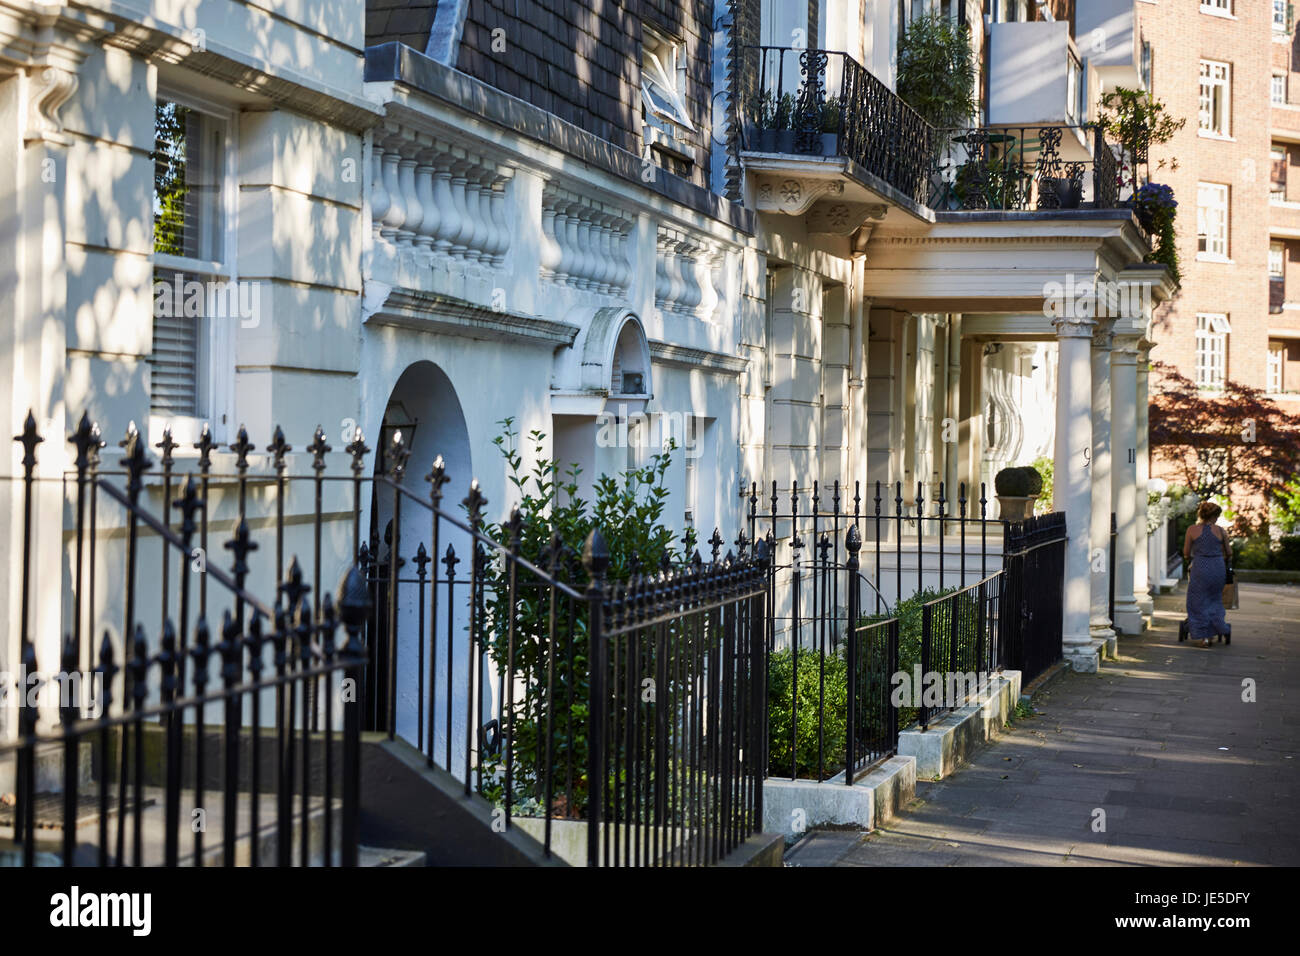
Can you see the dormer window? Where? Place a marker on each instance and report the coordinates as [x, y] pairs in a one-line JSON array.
[[666, 119]]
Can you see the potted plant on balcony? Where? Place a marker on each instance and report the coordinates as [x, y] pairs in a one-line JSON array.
[[936, 74], [937, 78], [772, 115], [1017, 490], [1157, 210], [1137, 121]]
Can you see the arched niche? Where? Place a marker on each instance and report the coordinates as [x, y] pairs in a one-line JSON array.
[[616, 357]]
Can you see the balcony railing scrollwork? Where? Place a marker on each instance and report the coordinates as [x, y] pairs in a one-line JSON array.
[[1023, 169], [824, 103]]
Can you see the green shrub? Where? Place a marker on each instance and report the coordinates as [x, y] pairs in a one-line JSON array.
[[910, 631], [1253, 553], [629, 510], [1043, 465], [1287, 557], [937, 72], [1018, 482], [823, 689]]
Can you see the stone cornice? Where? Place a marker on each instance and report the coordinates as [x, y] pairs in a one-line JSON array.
[[431, 312], [130, 29], [682, 356]]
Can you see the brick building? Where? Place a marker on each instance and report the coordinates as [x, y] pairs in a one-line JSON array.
[[1214, 63]]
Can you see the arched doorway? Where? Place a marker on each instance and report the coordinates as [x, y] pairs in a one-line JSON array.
[[430, 665]]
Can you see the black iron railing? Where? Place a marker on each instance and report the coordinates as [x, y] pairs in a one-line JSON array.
[[833, 663], [160, 752], [510, 663], [907, 545], [1112, 557], [1024, 169], [961, 647], [824, 103], [677, 711], [522, 673], [1034, 561]]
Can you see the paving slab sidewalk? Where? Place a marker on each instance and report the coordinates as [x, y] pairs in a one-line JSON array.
[[1161, 741]]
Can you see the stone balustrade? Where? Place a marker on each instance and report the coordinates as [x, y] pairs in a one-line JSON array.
[[449, 220], [438, 199], [584, 243], [688, 274]]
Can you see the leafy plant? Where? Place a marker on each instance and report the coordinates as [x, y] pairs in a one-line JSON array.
[[1286, 506], [911, 631], [550, 667], [936, 72], [1043, 465], [774, 112], [1235, 442], [822, 690], [1137, 121], [831, 115], [1022, 481], [1157, 210]]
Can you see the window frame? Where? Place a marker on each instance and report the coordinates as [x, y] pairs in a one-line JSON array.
[[1211, 365], [215, 361], [1273, 98], [669, 129], [1217, 8], [1223, 84], [1279, 248], [1283, 7], [1209, 253], [1274, 374]]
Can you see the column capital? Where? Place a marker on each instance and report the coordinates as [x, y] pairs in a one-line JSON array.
[[1103, 336], [1074, 327], [1125, 350]]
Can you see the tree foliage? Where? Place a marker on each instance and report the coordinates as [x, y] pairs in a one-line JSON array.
[[1235, 442]]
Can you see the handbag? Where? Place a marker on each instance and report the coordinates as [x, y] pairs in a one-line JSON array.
[[1230, 598]]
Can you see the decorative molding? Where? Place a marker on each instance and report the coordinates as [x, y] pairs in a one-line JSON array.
[[1034, 240], [48, 88], [843, 218], [431, 312], [585, 245], [689, 274], [681, 356], [1074, 327], [793, 197], [1103, 333]]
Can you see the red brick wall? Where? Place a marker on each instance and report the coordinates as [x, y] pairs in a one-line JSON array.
[[1181, 36]]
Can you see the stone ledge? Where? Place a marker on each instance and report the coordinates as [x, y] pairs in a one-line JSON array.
[[951, 739], [792, 807]]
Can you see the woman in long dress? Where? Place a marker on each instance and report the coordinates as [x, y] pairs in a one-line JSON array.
[[1207, 543]]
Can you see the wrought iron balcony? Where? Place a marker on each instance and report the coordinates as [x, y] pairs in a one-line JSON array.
[[1022, 169], [814, 104], [824, 103]]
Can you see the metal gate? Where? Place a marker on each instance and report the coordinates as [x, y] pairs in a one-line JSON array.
[[1034, 582]]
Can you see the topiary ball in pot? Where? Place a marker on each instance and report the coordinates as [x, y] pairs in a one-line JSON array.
[[1017, 489]]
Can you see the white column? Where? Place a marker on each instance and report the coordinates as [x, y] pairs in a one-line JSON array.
[[1141, 568], [1124, 482], [1100, 624], [1071, 486]]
